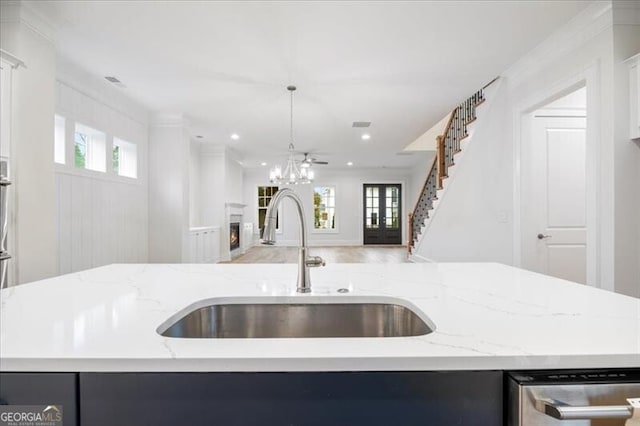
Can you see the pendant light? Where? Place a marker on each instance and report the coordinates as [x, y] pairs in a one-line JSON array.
[[291, 174]]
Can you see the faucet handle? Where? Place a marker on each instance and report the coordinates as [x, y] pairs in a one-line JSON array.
[[315, 261]]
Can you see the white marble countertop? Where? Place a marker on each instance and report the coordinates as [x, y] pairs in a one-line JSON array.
[[488, 316]]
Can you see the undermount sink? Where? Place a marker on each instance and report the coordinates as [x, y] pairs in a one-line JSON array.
[[312, 318]]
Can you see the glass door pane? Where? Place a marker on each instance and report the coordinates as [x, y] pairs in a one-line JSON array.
[[392, 204], [372, 208]]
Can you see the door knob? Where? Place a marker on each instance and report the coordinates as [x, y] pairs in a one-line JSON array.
[[543, 237]]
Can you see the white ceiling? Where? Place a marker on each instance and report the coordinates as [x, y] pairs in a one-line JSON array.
[[225, 65]]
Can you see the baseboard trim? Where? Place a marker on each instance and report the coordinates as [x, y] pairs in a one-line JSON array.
[[416, 258]]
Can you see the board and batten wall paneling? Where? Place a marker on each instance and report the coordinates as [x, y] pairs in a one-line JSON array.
[[99, 222], [102, 218]]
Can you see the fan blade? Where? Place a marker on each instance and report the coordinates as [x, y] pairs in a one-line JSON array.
[[319, 162]]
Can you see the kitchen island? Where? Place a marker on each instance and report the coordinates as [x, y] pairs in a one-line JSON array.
[[100, 326]]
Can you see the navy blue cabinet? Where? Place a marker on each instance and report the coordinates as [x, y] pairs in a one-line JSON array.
[[297, 398], [42, 389]]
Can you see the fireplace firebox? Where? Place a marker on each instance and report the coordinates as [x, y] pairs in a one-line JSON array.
[[234, 235]]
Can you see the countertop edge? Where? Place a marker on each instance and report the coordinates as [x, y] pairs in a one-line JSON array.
[[113, 365]]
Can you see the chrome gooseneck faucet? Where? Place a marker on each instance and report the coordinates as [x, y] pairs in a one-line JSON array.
[[269, 237]]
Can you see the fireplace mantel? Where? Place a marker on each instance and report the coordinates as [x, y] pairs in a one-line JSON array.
[[235, 209]]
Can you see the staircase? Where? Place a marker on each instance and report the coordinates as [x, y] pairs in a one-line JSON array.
[[449, 145]]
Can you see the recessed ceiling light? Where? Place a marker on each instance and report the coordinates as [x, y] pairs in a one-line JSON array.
[[350, 163], [235, 136], [366, 137], [263, 164]]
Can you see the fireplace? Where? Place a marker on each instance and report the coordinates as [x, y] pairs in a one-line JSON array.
[[234, 235], [237, 244]]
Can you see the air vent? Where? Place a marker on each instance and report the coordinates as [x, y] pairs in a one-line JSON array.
[[115, 81], [361, 124]]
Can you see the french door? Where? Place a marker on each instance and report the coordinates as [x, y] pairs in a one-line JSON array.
[[382, 213]]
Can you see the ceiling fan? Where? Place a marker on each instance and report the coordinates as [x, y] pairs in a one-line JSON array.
[[308, 161]]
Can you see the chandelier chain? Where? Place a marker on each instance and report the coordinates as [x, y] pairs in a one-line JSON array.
[[291, 121]]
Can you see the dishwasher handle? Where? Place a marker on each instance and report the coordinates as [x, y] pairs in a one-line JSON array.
[[560, 410]]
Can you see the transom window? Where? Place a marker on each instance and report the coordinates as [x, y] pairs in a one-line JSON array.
[[324, 207], [89, 148], [125, 158]]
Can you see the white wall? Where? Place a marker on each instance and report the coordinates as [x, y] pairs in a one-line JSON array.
[[486, 187], [418, 177], [102, 218], [349, 208], [234, 178], [219, 176], [427, 141], [33, 91], [169, 158], [212, 186], [194, 186], [469, 224], [626, 42], [69, 219]]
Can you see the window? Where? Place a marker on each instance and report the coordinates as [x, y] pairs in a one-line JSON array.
[[125, 158], [324, 207], [265, 193], [89, 148], [59, 140]]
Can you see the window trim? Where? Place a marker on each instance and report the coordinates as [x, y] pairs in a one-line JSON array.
[[63, 143]]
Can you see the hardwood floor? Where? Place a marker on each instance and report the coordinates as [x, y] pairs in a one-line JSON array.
[[342, 254]]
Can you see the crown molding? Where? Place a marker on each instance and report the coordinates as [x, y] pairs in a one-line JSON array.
[[168, 119], [593, 20], [219, 150], [12, 60], [626, 12], [27, 13], [212, 149]]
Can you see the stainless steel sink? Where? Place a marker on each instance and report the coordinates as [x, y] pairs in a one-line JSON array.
[[298, 319]]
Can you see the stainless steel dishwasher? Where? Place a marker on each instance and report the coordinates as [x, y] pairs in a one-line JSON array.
[[572, 398]]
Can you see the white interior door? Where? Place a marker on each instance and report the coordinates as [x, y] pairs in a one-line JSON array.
[[559, 195]]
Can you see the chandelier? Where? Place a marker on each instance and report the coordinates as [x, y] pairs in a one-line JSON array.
[[291, 174]]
